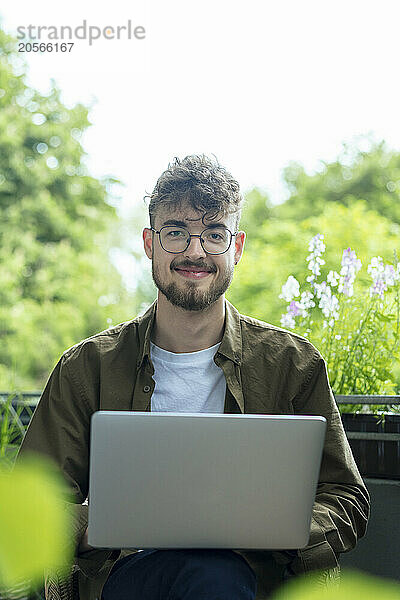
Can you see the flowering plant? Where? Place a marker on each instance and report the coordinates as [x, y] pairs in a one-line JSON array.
[[357, 333]]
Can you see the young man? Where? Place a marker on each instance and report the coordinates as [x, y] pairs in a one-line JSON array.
[[190, 338]]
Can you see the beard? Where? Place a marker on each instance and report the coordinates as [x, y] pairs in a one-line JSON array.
[[189, 296]]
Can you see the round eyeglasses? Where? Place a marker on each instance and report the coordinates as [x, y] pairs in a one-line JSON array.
[[213, 240]]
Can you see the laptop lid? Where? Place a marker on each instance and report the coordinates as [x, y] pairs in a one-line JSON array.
[[201, 480]]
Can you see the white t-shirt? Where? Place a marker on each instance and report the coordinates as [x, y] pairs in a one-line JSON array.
[[187, 382]]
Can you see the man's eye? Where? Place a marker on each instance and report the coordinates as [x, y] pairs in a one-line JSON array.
[[214, 236], [174, 233]]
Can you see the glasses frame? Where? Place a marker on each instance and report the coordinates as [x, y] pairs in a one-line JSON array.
[[194, 235]]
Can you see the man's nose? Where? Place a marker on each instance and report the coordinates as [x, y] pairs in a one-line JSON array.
[[195, 249]]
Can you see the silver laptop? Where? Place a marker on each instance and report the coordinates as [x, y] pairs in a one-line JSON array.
[[201, 480]]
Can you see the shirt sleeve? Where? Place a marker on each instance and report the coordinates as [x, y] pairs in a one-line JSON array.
[[342, 503], [59, 430]]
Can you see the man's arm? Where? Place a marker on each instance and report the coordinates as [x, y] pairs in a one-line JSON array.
[[59, 430], [342, 504]]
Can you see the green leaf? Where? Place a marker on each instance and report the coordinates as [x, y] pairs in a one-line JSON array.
[[353, 586], [386, 318], [34, 527]]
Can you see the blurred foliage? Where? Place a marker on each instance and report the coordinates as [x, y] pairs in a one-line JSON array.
[[353, 202], [354, 585], [35, 539], [57, 283], [365, 169], [256, 210], [130, 239], [280, 249], [358, 333], [367, 220], [11, 430]]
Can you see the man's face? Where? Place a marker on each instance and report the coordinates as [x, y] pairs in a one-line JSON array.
[[193, 279]]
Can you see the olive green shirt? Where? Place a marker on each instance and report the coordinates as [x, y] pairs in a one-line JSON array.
[[268, 371]]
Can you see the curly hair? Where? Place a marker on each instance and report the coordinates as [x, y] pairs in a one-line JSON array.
[[200, 181]]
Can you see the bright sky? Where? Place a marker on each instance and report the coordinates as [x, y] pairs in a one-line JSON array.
[[257, 83]]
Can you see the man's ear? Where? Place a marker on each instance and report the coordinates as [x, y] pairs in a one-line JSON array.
[[239, 245], [148, 242]]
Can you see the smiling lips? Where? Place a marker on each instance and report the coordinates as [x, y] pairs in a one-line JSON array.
[[192, 272]]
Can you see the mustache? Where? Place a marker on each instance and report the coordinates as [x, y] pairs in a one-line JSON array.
[[192, 265]]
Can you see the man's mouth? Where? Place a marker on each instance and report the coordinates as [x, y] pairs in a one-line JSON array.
[[193, 272]]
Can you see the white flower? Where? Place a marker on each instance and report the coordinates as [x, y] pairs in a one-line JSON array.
[[382, 276], [329, 303], [287, 321], [316, 248], [390, 275], [306, 300], [333, 278], [376, 262], [321, 288], [316, 245], [290, 289], [350, 267]]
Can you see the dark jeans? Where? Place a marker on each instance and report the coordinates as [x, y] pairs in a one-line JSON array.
[[181, 575]]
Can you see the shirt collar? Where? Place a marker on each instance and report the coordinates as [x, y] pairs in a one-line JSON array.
[[145, 326], [231, 343]]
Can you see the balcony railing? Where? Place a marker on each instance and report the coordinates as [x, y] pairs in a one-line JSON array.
[[27, 401]]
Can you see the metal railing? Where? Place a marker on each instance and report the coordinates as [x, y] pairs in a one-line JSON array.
[[27, 401], [33, 398], [362, 399], [370, 400]]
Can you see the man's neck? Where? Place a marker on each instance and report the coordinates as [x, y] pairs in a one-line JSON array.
[[178, 330]]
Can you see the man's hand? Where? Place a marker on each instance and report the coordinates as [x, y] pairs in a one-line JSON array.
[[84, 546]]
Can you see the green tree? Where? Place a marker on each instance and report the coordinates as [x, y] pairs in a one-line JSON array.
[[57, 284], [282, 247], [354, 201], [257, 209], [371, 174]]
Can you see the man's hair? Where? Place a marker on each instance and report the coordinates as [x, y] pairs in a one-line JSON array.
[[199, 181]]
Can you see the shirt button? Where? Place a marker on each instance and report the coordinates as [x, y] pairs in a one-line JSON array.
[[146, 388]]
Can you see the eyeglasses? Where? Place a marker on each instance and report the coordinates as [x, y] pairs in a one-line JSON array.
[[177, 239]]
